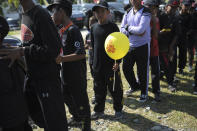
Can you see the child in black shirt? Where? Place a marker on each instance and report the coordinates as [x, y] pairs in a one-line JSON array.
[[103, 65], [13, 111], [74, 65]]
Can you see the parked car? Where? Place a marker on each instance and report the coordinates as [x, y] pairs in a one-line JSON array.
[[87, 6], [77, 16], [118, 10], [11, 40], [13, 24]]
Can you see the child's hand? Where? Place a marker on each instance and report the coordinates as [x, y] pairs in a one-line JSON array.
[[59, 59], [115, 67]]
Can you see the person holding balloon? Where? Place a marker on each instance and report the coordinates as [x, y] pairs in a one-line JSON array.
[[136, 25], [105, 67]]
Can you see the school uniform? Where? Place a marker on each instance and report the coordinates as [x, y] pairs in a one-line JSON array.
[[74, 75], [171, 25]]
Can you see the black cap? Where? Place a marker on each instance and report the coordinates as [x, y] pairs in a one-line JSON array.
[[174, 3], [63, 3], [150, 2], [102, 4], [186, 2], [4, 27]]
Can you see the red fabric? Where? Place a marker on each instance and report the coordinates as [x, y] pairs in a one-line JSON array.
[[154, 48], [165, 58]]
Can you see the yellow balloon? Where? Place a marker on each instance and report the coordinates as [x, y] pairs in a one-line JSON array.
[[116, 45]]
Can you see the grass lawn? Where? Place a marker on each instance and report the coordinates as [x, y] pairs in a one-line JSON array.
[[177, 111], [16, 32]]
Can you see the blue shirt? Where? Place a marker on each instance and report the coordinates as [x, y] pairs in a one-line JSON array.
[[138, 23]]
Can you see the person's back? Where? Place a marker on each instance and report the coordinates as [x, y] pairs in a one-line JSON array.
[[34, 32]]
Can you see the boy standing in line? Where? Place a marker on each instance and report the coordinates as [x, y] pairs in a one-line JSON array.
[[154, 48], [103, 66], [169, 31], [74, 65]]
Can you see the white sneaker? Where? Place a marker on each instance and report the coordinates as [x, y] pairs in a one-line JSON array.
[[129, 92], [143, 98], [195, 92], [190, 68]]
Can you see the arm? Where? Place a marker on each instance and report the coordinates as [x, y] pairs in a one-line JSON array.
[[141, 28], [77, 45], [154, 30], [73, 57], [177, 31], [123, 25], [47, 50]]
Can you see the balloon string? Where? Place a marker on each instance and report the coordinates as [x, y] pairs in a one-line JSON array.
[[114, 79]]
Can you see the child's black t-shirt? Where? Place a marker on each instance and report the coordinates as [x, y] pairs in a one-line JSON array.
[[170, 23], [72, 41], [99, 33]]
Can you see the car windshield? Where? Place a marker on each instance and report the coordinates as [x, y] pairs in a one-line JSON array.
[[76, 7], [12, 42], [12, 21], [116, 5], [88, 6]]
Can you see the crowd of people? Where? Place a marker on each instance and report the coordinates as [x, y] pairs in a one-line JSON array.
[[49, 69]]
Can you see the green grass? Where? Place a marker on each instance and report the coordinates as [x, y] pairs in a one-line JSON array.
[[177, 110], [16, 32]]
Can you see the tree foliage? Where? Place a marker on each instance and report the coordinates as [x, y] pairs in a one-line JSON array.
[[16, 2]]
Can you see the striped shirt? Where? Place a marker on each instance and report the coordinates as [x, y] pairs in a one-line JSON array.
[[138, 23]]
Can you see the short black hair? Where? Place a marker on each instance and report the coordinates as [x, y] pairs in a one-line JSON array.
[[68, 11], [4, 28]]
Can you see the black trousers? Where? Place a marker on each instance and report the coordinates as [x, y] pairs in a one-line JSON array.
[[182, 45], [76, 98], [192, 44], [169, 67], [46, 105], [195, 75], [21, 127], [155, 74], [104, 80], [140, 56]]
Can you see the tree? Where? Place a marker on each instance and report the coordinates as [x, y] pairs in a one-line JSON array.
[[16, 2]]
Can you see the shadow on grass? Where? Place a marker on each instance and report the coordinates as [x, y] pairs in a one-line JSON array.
[[170, 102], [142, 123]]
